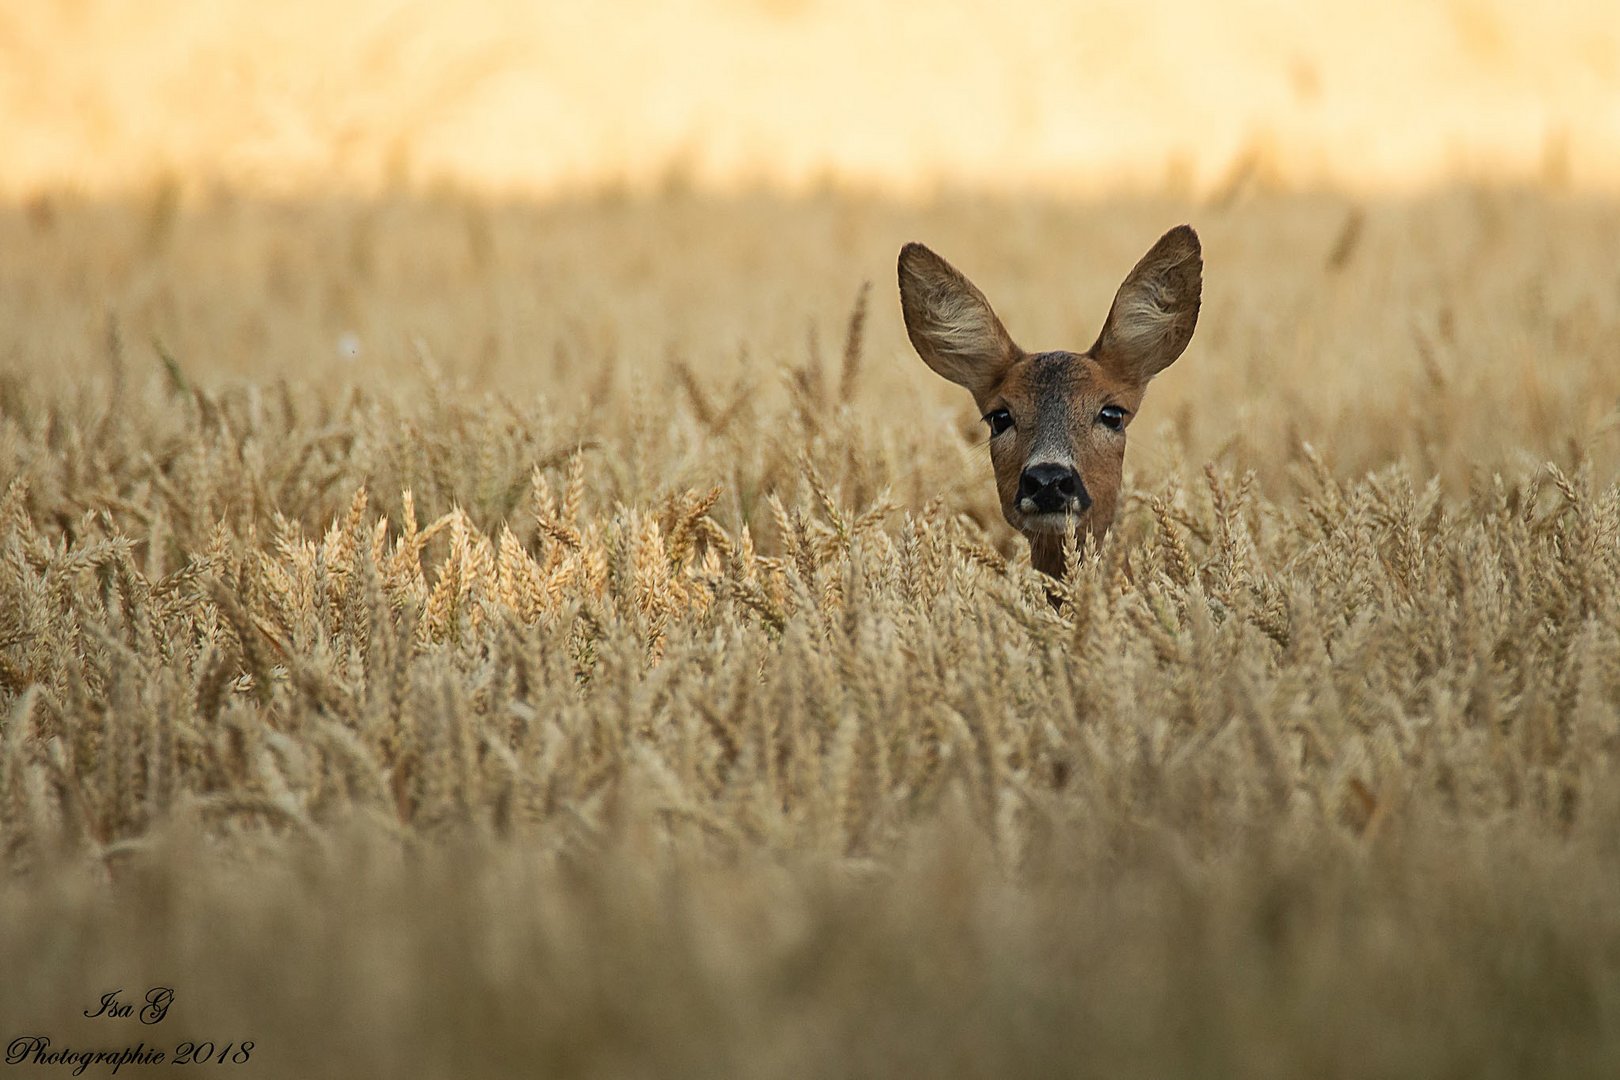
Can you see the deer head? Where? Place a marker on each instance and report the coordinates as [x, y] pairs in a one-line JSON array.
[[1057, 419]]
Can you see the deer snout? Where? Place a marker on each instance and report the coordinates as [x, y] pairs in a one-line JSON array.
[[1052, 489]]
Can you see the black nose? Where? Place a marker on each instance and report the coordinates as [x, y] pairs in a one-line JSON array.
[[1053, 489]]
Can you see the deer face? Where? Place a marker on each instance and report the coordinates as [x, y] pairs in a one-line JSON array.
[[1057, 420]]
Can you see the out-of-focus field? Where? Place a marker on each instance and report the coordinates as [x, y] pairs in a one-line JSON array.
[[904, 96], [449, 637]]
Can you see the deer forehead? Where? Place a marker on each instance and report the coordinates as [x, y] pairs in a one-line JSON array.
[[1058, 384]]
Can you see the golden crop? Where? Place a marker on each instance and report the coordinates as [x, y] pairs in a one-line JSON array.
[[447, 638]]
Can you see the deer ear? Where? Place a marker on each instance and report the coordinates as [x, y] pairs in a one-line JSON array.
[[951, 324], [1155, 309]]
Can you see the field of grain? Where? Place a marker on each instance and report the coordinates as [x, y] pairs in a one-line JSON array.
[[446, 637]]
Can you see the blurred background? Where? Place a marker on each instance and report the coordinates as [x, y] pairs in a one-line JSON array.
[[1408, 210], [544, 97]]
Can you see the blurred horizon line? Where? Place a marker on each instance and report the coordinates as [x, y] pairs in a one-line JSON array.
[[1240, 183], [543, 99]]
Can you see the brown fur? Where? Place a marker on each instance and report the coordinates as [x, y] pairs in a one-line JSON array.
[[1056, 398]]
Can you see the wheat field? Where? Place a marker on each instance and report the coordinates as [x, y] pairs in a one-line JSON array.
[[449, 637]]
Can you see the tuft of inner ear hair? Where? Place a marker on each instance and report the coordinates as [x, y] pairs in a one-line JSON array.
[[950, 322], [1156, 309]]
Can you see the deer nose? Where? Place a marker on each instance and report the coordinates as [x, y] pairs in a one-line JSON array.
[[1052, 489]]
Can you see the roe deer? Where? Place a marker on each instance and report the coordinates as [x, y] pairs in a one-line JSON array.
[[1057, 419]]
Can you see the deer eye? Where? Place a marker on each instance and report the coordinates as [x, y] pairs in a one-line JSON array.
[[999, 420], [1112, 417]]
